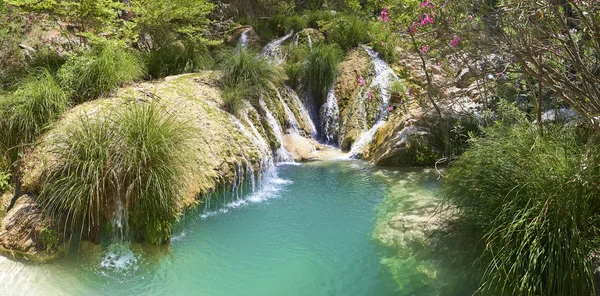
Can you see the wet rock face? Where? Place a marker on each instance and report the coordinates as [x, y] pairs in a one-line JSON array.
[[253, 40], [354, 66], [26, 231]]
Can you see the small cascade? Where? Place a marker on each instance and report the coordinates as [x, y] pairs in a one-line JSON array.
[[365, 138], [383, 76], [296, 39], [292, 125], [119, 222], [304, 115], [273, 49], [281, 155], [243, 41], [330, 117], [309, 41]]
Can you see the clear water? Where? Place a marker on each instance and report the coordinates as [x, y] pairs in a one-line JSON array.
[[308, 231]]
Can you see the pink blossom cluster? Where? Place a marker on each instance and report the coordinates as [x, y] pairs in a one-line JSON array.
[[385, 15], [361, 81]]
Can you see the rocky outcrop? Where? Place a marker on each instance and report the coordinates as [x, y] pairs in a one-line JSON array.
[[354, 66], [253, 40], [27, 233], [303, 149]]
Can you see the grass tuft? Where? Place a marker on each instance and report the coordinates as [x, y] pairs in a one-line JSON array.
[[321, 69], [137, 158], [177, 58], [526, 207], [93, 74], [244, 69]]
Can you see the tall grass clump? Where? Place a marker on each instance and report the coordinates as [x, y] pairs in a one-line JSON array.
[[91, 74], [349, 32], [177, 58], [321, 68], [245, 69], [526, 207], [135, 160], [38, 101]]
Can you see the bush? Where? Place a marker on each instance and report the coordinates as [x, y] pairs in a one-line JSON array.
[[38, 101], [321, 69], [314, 18], [233, 98], [136, 158], [245, 69], [349, 32], [177, 58], [527, 207], [45, 58], [95, 73]]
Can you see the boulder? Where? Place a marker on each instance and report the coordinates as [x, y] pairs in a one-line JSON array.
[[27, 233]]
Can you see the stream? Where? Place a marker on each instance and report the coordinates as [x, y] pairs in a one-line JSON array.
[[309, 229]]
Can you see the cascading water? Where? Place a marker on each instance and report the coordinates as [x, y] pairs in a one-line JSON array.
[[330, 115], [383, 78], [304, 116], [273, 49], [309, 41], [281, 154], [243, 41], [292, 125]]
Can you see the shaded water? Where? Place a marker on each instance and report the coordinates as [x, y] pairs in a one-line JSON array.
[[309, 230]]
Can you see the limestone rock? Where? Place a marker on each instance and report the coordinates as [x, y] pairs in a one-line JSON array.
[[355, 65], [253, 38], [304, 149], [22, 232]]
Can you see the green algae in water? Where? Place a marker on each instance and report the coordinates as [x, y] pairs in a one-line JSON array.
[[308, 231]]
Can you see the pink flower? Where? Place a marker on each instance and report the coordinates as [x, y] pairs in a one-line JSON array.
[[361, 81], [426, 4], [410, 91], [382, 43], [390, 108], [385, 15], [425, 49], [370, 95], [413, 28], [470, 17], [455, 41], [427, 20]]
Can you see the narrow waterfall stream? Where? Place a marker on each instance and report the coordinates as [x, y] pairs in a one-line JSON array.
[[310, 229], [383, 78]]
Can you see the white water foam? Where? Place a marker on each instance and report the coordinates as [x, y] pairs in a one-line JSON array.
[[269, 190], [119, 258], [273, 49]]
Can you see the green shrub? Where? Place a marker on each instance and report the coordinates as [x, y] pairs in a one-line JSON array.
[[47, 59], [526, 207], [137, 157], [244, 68], [38, 101], [321, 69], [314, 18], [233, 98], [177, 58], [95, 73], [4, 181], [349, 32]]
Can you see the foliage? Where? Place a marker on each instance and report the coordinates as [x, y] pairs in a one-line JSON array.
[[48, 238], [23, 114], [233, 98], [294, 64], [88, 16], [159, 18], [94, 73], [321, 69], [525, 205], [143, 170], [177, 58], [4, 181], [349, 31], [244, 68], [556, 42], [47, 59]]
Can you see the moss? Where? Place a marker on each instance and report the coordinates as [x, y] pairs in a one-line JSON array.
[[48, 239]]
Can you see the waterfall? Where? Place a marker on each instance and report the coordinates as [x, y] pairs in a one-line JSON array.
[[383, 78], [281, 155], [330, 115], [309, 41], [243, 41], [304, 116], [292, 125], [273, 49]]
